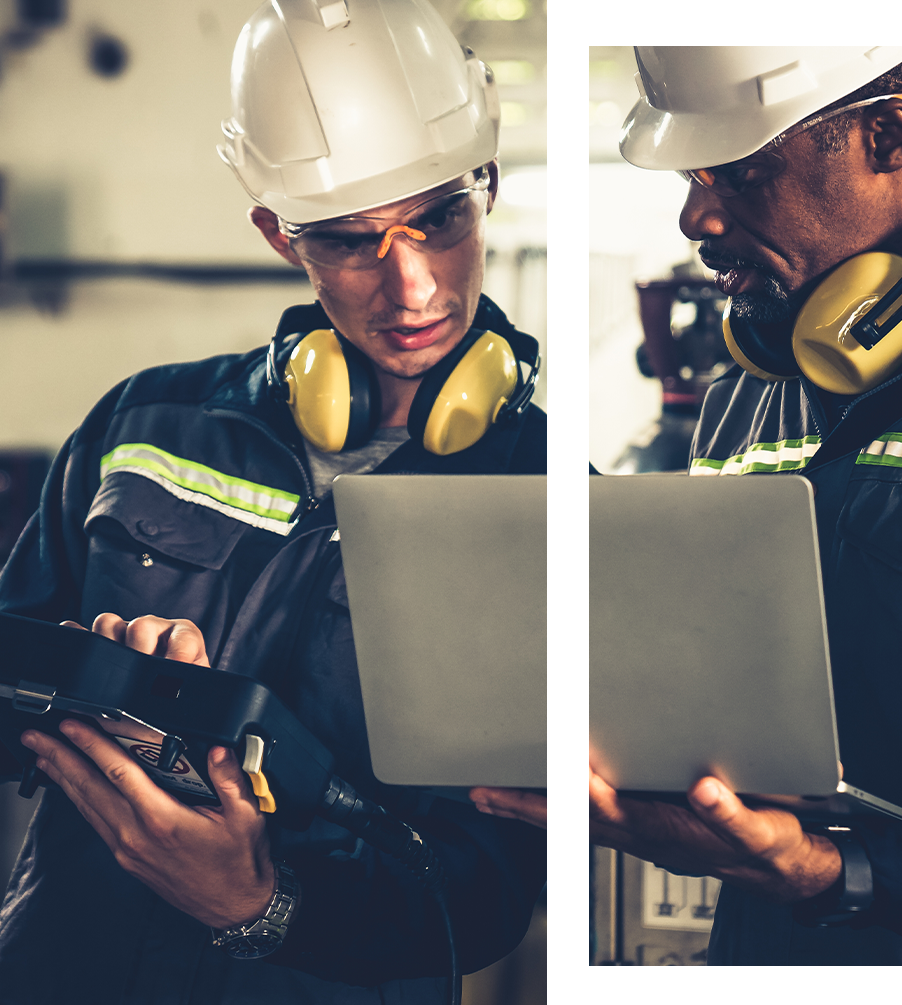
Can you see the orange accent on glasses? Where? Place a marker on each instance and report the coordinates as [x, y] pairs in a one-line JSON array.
[[417, 235]]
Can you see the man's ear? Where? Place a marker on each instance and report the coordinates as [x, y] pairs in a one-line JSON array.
[[882, 123], [492, 168], [268, 224]]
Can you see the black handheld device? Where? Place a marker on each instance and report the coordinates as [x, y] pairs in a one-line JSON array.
[[168, 714]]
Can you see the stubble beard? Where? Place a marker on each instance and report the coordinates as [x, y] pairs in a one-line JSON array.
[[768, 305]]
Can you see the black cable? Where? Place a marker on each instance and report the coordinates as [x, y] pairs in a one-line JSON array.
[[456, 989], [367, 820]]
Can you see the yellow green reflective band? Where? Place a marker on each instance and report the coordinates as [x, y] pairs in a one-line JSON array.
[[259, 505], [786, 455], [885, 451]]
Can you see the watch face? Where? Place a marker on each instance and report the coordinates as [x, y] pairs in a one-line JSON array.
[[249, 947]]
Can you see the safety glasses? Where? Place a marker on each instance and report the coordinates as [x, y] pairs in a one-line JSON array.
[[361, 242], [739, 176]]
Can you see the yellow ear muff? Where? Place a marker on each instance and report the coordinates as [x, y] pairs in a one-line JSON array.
[[332, 390], [857, 296], [826, 351], [469, 398], [741, 358], [319, 389]]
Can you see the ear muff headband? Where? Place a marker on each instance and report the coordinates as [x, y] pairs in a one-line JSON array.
[[846, 339]]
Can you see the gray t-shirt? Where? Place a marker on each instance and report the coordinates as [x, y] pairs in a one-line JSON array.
[[326, 467]]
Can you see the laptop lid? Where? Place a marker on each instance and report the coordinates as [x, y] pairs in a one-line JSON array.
[[708, 640], [446, 587]]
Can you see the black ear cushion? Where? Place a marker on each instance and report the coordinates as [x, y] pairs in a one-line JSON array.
[[773, 358], [433, 382], [366, 399]]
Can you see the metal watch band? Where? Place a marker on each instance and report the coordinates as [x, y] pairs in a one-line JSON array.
[[266, 934], [850, 896]]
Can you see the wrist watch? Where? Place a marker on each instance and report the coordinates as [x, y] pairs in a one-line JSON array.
[[850, 896], [265, 935]]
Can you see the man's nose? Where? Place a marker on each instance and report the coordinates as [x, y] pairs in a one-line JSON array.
[[703, 214], [407, 279]]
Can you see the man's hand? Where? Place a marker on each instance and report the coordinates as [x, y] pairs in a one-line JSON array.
[[176, 640], [518, 804], [210, 862], [764, 850]]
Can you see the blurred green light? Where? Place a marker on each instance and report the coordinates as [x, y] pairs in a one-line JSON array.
[[513, 71], [513, 113], [497, 10]]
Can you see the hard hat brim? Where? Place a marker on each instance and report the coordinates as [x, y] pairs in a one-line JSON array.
[[660, 140]]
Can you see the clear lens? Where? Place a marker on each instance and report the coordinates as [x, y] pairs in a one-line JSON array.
[[344, 247], [353, 242], [728, 180], [739, 176]]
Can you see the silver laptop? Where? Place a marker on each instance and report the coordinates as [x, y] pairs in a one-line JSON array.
[[446, 586], [708, 642]]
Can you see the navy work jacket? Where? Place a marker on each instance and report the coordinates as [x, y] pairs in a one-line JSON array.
[[850, 450], [185, 494]]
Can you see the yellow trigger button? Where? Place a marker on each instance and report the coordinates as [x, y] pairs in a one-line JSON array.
[[261, 791], [253, 762]]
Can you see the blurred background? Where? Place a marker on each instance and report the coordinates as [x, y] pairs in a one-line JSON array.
[[655, 339], [124, 241], [655, 344]]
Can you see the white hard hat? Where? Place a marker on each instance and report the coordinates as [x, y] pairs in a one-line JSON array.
[[701, 106], [339, 106]]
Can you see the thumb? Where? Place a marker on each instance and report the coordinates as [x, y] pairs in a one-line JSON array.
[[722, 810], [231, 783]]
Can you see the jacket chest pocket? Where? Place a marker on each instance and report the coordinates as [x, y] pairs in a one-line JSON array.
[[152, 553], [864, 588], [864, 613], [870, 520]]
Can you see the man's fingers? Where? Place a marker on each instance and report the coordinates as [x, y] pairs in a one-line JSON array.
[[726, 814], [231, 783], [111, 626], [125, 775], [149, 634], [186, 643], [602, 799], [78, 779], [176, 639], [517, 804], [714, 802]]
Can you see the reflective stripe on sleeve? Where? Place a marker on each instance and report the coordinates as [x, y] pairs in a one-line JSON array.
[[885, 451], [787, 455], [259, 505]]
